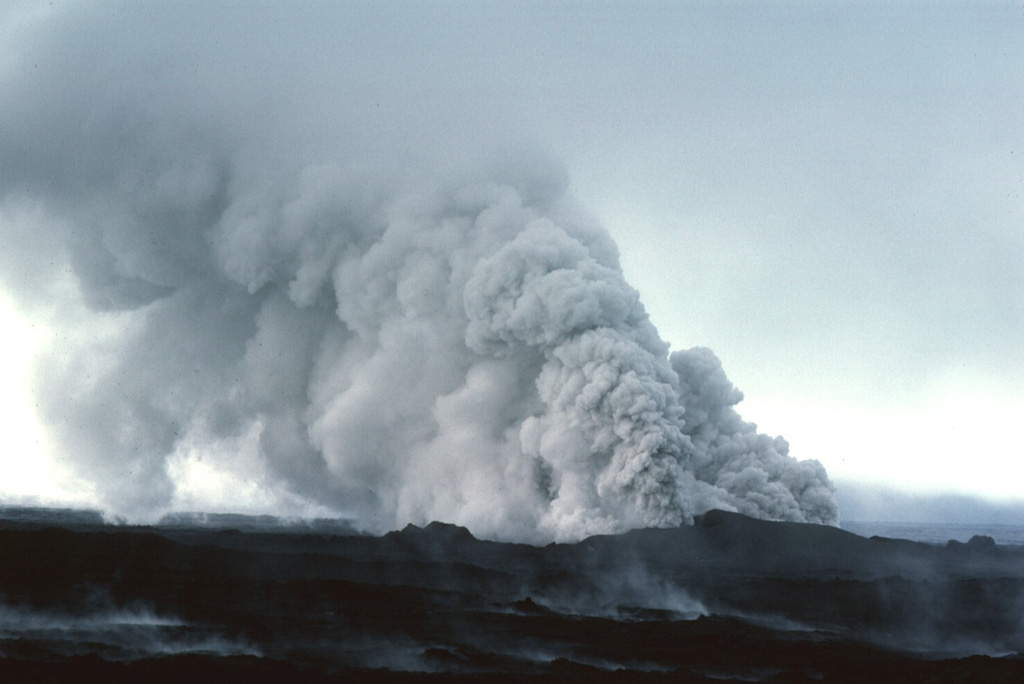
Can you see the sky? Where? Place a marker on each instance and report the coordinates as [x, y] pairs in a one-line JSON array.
[[829, 196]]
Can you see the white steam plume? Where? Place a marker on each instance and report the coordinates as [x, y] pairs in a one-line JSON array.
[[392, 344]]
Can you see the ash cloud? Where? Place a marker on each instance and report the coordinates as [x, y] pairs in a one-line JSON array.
[[395, 339]]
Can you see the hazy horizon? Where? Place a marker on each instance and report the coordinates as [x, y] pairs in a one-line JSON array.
[[858, 502]]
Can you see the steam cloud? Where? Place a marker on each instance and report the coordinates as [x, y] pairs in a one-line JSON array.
[[395, 344]]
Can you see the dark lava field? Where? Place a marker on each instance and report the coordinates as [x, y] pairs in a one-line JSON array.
[[231, 598]]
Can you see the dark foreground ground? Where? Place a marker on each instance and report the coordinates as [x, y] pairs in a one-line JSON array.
[[728, 598]]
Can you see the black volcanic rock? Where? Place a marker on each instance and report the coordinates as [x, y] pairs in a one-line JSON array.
[[436, 541], [978, 544], [444, 534], [794, 599], [737, 543], [530, 607], [981, 542]]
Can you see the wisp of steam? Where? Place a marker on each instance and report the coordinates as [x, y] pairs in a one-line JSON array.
[[396, 343]]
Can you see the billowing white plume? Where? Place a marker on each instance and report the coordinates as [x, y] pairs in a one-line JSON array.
[[465, 352], [393, 344]]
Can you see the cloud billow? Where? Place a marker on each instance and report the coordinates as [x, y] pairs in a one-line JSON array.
[[391, 343]]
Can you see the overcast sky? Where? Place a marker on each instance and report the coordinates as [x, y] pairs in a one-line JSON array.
[[828, 195]]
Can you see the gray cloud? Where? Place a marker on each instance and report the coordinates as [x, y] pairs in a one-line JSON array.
[[405, 332]]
